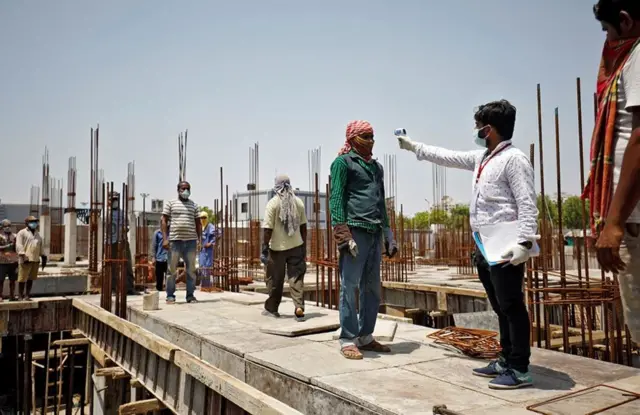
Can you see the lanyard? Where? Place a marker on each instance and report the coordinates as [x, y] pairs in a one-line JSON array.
[[484, 164]]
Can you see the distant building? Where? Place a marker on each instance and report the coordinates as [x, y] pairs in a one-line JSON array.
[[244, 210]]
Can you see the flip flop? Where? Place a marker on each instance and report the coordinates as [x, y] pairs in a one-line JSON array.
[[351, 352]]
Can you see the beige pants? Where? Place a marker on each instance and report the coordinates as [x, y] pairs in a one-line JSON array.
[[28, 271], [630, 284]]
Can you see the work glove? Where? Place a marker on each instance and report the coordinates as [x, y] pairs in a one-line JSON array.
[[264, 256], [43, 259], [406, 144], [344, 239], [390, 247]]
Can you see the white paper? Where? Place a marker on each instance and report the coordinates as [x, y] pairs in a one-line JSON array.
[[496, 239]]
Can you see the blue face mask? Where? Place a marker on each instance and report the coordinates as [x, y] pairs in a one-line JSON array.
[[185, 194], [32, 225]]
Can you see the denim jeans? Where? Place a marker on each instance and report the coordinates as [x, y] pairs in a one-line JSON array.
[[187, 251], [362, 272]]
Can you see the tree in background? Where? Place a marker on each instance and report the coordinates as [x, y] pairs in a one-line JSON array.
[[572, 212], [438, 216], [459, 216], [421, 220], [551, 209]]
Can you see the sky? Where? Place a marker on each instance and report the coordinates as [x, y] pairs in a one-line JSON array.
[[288, 75]]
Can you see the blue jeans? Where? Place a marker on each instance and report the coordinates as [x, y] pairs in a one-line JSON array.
[[187, 251], [362, 272]]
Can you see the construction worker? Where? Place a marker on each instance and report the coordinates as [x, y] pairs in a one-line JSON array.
[[182, 240], [205, 257], [119, 238], [284, 247], [613, 188], [503, 192], [8, 258], [30, 253], [160, 259], [361, 231]]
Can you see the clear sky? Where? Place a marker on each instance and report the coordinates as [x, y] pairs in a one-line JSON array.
[[287, 74]]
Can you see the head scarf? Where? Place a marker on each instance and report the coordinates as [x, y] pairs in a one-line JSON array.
[[288, 206], [599, 188], [353, 141]]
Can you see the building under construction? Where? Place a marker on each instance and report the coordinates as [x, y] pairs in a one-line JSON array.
[[84, 346]]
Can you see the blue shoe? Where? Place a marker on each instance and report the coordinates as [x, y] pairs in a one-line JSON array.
[[511, 379], [492, 370]]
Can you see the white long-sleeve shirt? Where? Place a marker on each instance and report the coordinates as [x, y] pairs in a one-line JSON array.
[[505, 190]]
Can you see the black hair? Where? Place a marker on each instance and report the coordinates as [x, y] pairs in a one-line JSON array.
[[501, 115], [608, 11], [183, 182]]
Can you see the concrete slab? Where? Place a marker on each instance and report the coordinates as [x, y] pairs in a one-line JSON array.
[[457, 371], [402, 353], [395, 391], [586, 372], [591, 401], [385, 331], [309, 361], [631, 384], [483, 320], [317, 320], [250, 341]]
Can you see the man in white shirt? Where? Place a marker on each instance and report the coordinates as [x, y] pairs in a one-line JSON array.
[[284, 247], [503, 191], [614, 188]]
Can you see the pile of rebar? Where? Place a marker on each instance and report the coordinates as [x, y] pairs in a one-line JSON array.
[[475, 343]]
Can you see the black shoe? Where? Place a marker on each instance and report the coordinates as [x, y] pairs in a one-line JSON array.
[[192, 300]]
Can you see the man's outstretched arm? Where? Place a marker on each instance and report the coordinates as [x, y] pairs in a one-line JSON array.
[[465, 160]]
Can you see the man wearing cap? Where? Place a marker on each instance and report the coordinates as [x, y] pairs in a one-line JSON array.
[[284, 247], [8, 258], [360, 224], [118, 221], [29, 249]]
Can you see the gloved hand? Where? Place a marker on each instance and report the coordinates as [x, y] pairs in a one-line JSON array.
[[405, 143], [390, 246], [43, 259], [344, 239], [264, 256]]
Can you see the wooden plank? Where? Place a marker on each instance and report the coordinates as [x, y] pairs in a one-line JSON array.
[[148, 340], [479, 293], [18, 305], [71, 342], [100, 356], [135, 383], [140, 407], [248, 398], [112, 372]]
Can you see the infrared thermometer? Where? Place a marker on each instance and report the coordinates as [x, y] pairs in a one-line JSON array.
[[400, 132]]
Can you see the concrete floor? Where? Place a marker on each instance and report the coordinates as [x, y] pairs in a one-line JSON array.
[[308, 373]]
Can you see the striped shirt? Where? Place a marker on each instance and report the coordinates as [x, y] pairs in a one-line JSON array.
[[183, 215], [337, 202]]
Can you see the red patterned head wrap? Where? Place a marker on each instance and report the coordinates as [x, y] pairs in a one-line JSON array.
[[355, 129]]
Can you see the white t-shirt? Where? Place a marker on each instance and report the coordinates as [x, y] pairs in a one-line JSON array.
[[628, 98]]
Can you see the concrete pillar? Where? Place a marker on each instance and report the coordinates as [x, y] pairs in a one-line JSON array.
[[70, 238], [45, 233]]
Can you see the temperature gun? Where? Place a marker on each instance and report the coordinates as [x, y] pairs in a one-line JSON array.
[[400, 132]]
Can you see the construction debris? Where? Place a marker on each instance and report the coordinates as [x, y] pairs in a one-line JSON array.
[[481, 344]]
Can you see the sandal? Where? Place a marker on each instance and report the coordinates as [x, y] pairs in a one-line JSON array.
[[374, 346], [351, 352]]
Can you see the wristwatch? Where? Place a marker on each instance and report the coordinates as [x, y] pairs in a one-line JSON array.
[[527, 244]]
